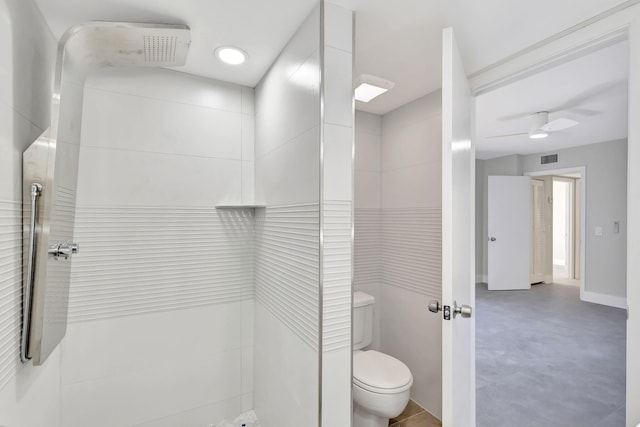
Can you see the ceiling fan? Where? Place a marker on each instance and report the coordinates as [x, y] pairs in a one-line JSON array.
[[541, 127]]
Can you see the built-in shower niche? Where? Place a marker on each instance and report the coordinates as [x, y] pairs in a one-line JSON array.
[[50, 167]]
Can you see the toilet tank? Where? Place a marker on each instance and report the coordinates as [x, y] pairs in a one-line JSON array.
[[362, 319]]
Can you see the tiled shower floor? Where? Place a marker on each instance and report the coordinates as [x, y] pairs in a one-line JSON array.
[[247, 419]]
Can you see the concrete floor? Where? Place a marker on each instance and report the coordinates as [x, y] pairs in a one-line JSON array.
[[545, 358]]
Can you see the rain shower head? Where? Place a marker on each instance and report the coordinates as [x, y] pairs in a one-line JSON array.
[[121, 44]]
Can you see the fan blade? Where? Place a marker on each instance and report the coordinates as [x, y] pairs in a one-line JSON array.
[[559, 124], [514, 117], [504, 136]]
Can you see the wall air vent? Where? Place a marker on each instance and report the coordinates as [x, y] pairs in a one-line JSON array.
[[551, 158]]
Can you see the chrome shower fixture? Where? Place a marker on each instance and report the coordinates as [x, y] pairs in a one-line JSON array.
[[50, 166]]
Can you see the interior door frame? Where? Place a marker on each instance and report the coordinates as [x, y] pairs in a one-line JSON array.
[[614, 25], [532, 243], [582, 170]]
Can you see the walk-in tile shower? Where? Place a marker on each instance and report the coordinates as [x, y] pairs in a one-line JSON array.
[[213, 220]]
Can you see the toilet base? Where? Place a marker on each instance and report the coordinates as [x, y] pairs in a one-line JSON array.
[[362, 418]]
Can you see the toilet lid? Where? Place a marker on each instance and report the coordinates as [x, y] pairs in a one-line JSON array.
[[380, 373]]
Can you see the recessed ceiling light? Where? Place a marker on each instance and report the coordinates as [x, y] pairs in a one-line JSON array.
[[231, 55], [368, 87]]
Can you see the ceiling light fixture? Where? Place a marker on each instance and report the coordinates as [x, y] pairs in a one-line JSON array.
[[538, 134], [231, 55], [368, 87]]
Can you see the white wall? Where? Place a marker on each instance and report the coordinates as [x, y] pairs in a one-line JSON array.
[[367, 215], [29, 396], [411, 203], [407, 249], [336, 206], [606, 201], [287, 340], [160, 311], [606, 192]]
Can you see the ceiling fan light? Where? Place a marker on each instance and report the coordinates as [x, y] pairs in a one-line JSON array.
[[538, 134]]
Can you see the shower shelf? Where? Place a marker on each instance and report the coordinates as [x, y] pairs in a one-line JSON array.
[[240, 206]]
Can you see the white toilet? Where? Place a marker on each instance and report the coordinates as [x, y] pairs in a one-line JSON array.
[[381, 383]]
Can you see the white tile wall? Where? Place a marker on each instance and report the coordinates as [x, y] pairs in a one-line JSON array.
[[398, 235], [411, 242], [413, 335], [136, 260], [336, 210], [338, 83], [367, 215], [282, 96], [133, 178], [338, 162], [200, 131], [411, 186], [175, 87], [134, 369], [286, 267], [286, 374], [31, 397], [10, 287], [290, 174], [336, 284], [28, 396], [287, 177], [161, 317]]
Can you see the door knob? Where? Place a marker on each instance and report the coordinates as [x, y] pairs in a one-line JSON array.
[[493, 239], [464, 310], [434, 306]]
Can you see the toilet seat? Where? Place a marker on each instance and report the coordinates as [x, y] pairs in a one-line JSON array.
[[380, 373]]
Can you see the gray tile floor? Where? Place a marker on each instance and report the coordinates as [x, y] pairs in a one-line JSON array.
[[545, 359]]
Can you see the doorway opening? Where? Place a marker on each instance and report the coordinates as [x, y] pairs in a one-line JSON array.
[[557, 245], [536, 336], [566, 231]]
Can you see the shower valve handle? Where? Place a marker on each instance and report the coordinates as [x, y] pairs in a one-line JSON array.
[[63, 249]]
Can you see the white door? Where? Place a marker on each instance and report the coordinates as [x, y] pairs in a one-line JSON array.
[[538, 228], [458, 249], [509, 210]]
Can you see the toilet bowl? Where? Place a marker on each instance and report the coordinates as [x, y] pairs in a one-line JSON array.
[[381, 383], [381, 386]]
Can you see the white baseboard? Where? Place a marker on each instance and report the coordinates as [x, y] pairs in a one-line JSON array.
[[603, 299], [481, 278]]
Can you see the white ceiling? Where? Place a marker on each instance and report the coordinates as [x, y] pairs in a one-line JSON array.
[[591, 90], [398, 40]]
